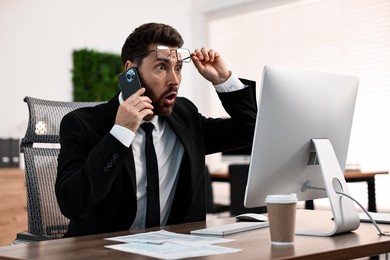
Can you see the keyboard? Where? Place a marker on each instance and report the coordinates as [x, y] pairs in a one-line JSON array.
[[380, 218], [230, 228]]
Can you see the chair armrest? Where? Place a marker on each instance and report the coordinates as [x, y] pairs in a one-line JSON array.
[[26, 237]]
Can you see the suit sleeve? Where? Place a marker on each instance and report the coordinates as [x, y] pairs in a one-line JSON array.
[[236, 131]]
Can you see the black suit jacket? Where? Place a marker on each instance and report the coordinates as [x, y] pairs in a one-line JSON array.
[[96, 184]]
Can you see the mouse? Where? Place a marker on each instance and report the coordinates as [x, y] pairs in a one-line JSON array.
[[252, 217]]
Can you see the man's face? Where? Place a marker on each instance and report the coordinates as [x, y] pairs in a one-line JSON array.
[[161, 79]]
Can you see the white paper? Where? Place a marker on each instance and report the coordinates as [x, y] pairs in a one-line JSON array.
[[162, 236], [172, 250], [168, 245]]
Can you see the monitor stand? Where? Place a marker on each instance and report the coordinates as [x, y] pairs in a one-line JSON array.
[[345, 215]]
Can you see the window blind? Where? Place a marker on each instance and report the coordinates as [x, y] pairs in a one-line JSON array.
[[340, 36]]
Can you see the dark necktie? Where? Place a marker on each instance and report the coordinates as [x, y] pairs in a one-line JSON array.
[[152, 186]]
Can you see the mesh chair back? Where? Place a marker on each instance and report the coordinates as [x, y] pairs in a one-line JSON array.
[[44, 216], [45, 117]]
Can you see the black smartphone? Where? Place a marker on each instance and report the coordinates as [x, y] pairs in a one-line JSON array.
[[129, 82]]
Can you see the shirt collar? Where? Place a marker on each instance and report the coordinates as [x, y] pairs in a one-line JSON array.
[[155, 121]]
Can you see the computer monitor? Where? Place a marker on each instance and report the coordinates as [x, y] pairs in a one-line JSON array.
[[301, 137]]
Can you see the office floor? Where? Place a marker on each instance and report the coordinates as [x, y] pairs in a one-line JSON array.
[[13, 209]]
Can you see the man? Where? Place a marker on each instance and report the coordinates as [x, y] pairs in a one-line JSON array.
[[101, 183]]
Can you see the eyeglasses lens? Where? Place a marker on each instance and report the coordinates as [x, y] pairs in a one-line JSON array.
[[183, 55], [165, 53]]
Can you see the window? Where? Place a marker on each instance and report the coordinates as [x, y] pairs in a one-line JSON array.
[[340, 36]]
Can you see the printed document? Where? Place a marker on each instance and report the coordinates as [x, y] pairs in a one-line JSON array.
[[168, 245]]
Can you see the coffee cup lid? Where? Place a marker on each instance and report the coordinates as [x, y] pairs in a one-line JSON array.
[[282, 198]]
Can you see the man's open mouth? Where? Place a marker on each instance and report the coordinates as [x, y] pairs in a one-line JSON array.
[[170, 98]]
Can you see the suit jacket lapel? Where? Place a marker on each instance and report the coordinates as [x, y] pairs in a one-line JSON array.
[[182, 200], [130, 168], [181, 131]]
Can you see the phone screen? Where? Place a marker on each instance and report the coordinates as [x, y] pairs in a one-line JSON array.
[[129, 82]]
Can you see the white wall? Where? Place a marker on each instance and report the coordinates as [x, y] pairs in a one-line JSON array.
[[38, 37]]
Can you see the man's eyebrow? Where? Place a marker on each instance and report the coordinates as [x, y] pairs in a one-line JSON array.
[[168, 62]]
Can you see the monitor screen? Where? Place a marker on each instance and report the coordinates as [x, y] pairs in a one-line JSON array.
[[296, 106]]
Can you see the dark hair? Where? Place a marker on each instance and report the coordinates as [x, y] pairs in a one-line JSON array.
[[138, 41]]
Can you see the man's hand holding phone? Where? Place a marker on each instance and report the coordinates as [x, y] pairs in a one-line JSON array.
[[133, 110], [136, 106]]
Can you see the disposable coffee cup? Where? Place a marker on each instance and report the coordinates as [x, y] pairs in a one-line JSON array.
[[281, 217]]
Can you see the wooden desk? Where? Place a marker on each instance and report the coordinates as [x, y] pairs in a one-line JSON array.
[[255, 244], [350, 176]]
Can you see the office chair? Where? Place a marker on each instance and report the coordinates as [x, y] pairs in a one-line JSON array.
[[238, 175], [212, 207], [40, 147]]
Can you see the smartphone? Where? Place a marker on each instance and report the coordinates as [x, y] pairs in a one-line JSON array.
[[129, 82]]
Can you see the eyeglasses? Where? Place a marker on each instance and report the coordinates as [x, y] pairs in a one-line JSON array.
[[164, 53]]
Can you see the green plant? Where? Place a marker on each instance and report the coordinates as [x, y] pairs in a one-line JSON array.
[[94, 75]]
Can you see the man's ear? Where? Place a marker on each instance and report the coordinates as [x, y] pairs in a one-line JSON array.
[[129, 64]]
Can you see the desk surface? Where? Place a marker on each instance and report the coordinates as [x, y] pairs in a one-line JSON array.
[[255, 244], [348, 175]]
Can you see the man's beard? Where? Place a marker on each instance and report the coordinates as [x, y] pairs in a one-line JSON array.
[[160, 109]]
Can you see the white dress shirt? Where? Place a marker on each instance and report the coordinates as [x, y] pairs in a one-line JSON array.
[[169, 152]]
